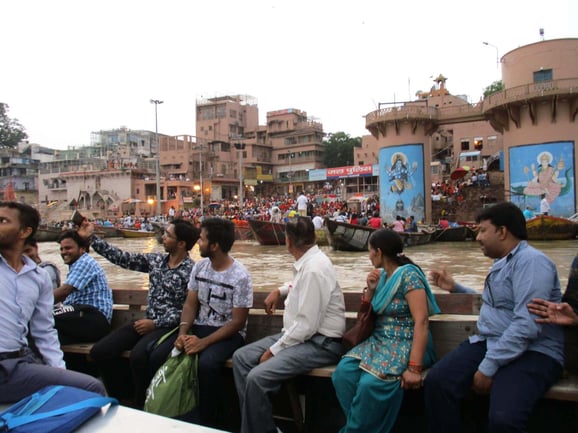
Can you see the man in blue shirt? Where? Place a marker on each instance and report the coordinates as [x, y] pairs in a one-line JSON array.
[[85, 311], [512, 358]]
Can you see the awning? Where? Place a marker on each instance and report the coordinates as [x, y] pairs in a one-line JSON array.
[[474, 153]]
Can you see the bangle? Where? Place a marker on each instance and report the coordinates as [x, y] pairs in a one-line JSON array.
[[183, 324], [414, 367]]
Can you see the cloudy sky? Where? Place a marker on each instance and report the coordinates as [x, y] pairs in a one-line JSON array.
[[73, 67]]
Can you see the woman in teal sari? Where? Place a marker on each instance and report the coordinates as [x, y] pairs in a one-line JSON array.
[[371, 377]]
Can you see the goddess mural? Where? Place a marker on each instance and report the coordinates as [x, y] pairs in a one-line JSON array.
[[545, 177]]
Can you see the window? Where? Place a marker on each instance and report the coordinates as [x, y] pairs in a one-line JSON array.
[[543, 75], [465, 144], [478, 143]]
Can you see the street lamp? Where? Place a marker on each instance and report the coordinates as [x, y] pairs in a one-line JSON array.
[[240, 147], [201, 175], [290, 174], [497, 53], [158, 159]]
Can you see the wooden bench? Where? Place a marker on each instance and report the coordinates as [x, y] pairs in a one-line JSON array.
[[449, 329]]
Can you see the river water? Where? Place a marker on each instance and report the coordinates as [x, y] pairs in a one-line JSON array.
[[270, 266]]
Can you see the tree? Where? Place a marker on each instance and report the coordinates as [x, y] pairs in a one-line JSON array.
[[495, 87], [11, 131], [339, 149]]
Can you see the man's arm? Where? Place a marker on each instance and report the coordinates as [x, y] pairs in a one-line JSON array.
[[60, 293]]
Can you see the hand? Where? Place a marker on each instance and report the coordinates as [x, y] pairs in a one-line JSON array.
[[193, 344], [144, 326], [266, 356], [411, 380], [550, 312], [482, 383], [180, 342], [373, 278], [271, 301], [86, 229], [443, 279]]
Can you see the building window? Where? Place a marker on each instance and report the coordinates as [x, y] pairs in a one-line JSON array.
[[465, 144], [478, 143], [543, 75]]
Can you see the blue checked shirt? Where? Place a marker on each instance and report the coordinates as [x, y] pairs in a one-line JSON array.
[[168, 287], [90, 285]]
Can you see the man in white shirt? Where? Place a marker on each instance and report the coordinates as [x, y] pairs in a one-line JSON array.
[[317, 221], [302, 202], [544, 205], [313, 324]]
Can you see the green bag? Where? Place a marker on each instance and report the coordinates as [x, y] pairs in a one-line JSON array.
[[174, 389]]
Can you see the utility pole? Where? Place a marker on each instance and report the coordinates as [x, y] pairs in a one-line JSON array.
[[158, 158]]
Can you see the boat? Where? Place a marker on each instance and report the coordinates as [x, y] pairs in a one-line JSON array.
[[550, 228], [267, 232], [128, 233], [107, 231], [417, 238], [242, 230], [453, 234], [347, 237], [47, 233]]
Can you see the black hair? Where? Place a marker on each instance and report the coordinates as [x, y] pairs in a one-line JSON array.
[[508, 215], [220, 231], [186, 232], [301, 231], [73, 234], [390, 244], [27, 215]]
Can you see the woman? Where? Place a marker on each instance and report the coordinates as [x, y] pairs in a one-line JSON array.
[[370, 378]]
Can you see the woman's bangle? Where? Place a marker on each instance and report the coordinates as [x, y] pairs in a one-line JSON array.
[[183, 324], [414, 367]]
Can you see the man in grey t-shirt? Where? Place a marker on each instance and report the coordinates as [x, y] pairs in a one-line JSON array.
[[214, 317]]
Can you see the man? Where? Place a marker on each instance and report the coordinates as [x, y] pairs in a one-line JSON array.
[[313, 324], [544, 205], [168, 277], [317, 221], [528, 213], [512, 358], [31, 250], [83, 303], [215, 312], [26, 310], [302, 201]]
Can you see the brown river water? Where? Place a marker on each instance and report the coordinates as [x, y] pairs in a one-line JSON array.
[[270, 266]]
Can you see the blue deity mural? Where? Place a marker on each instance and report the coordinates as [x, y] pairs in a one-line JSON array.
[[548, 169], [401, 182]]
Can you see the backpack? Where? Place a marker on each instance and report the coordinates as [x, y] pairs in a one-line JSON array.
[[53, 409]]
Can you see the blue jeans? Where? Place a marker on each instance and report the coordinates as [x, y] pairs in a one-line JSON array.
[[515, 390]]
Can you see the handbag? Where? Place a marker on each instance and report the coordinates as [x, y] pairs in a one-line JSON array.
[[174, 389], [363, 327], [53, 409]]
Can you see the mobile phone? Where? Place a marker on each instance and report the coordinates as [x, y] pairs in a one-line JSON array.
[[77, 218]]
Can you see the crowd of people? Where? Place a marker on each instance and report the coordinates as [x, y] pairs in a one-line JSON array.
[[515, 357]]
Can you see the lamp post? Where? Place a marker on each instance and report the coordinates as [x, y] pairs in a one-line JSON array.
[[240, 147], [201, 175], [290, 174], [158, 159], [497, 53]]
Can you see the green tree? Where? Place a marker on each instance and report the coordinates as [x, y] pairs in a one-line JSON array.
[[11, 131], [339, 149], [495, 87]]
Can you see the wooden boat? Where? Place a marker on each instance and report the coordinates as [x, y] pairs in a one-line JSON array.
[[347, 237], [242, 230], [267, 232], [108, 231], [549, 228], [452, 234], [417, 238], [47, 234], [128, 233]]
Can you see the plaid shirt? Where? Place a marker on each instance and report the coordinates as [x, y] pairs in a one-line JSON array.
[[91, 288], [168, 287]]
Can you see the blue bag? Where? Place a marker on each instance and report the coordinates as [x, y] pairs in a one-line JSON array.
[[53, 409]]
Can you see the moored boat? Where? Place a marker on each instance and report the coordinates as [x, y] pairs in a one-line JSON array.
[[242, 230], [47, 234], [549, 228], [108, 231], [347, 237], [128, 233], [418, 238], [452, 234], [267, 232]]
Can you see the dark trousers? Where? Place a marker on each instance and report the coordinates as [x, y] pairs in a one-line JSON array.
[[516, 388], [86, 324], [121, 377]]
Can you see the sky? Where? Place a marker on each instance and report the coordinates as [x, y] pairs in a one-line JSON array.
[[70, 68]]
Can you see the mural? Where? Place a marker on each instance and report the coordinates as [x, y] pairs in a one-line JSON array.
[[548, 169], [401, 182]]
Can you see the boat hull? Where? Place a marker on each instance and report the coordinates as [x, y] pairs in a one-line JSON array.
[[347, 237], [549, 228], [453, 234], [243, 231], [47, 234], [413, 239], [126, 233], [267, 232]]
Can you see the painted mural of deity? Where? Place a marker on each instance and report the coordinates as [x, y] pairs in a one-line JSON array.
[[545, 177]]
